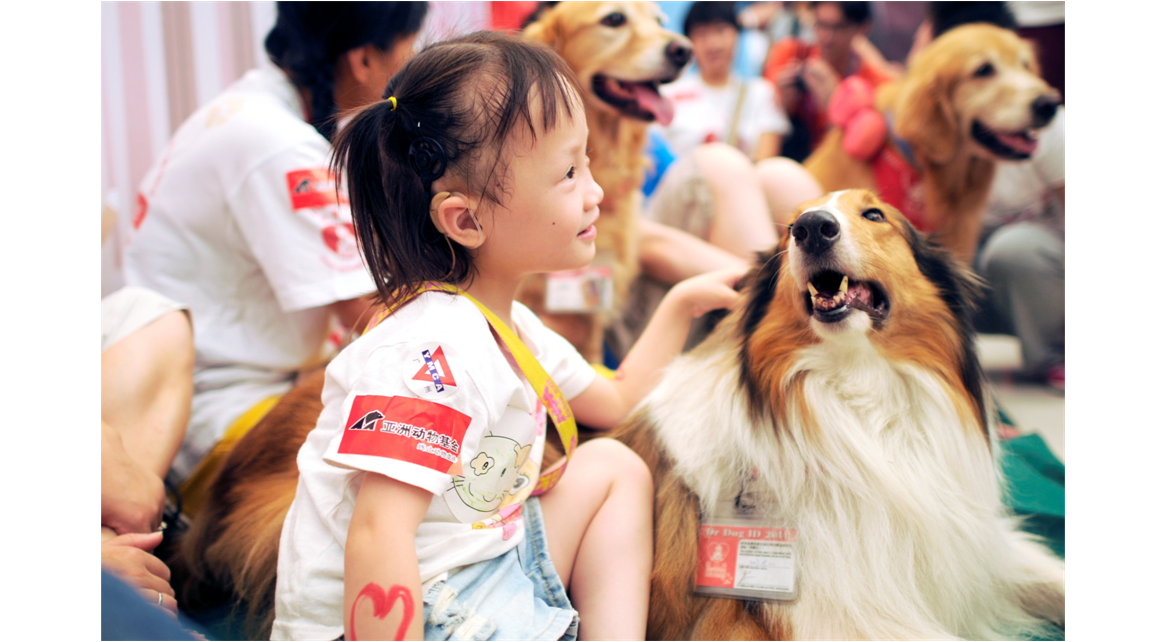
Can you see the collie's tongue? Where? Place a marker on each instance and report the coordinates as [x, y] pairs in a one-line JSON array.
[[650, 100], [1022, 144]]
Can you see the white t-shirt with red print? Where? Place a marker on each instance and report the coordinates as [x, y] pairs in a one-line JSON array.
[[432, 398], [240, 220]]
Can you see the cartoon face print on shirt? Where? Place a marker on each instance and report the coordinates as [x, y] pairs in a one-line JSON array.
[[489, 477], [498, 474]]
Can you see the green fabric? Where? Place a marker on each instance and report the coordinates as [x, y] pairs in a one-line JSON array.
[[1035, 487]]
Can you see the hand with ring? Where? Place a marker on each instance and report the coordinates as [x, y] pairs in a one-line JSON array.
[[129, 556]]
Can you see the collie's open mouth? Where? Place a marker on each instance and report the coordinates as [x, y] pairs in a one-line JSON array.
[[1018, 145], [640, 100], [832, 296]]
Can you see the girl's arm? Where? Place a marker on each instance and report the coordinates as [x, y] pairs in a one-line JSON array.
[[606, 402], [382, 581]]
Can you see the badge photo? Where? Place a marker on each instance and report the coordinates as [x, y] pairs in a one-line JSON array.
[[433, 370]]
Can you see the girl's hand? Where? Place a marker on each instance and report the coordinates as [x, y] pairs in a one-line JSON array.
[[702, 294]]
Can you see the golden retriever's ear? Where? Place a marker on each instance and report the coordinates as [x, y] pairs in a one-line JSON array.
[[546, 29], [925, 117]]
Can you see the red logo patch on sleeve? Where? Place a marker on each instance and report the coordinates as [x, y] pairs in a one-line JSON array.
[[414, 430], [312, 188]]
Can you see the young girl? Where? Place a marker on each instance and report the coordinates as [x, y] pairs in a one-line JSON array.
[[420, 509]]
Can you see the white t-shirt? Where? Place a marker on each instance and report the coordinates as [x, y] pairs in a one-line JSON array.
[[427, 397], [1023, 191], [702, 114], [239, 219]]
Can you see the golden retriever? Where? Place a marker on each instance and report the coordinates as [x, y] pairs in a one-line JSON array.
[[622, 54], [971, 98], [842, 408]]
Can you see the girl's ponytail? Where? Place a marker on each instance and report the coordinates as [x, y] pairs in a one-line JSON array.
[[389, 173]]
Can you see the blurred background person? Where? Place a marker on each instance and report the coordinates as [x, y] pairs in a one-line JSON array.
[[714, 104], [807, 74], [240, 218]]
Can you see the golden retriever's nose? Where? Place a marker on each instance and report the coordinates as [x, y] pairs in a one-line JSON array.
[[678, 53], [1043, 110], [816, 231]]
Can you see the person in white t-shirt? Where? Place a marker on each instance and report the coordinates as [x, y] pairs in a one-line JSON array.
[[715, 105], [240, 218], [415, 513]]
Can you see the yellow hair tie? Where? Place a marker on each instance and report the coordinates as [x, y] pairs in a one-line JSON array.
[[394, 99]]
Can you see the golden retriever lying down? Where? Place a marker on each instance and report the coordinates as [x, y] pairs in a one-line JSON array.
[[622, 54], [971, 98], [841, 412]]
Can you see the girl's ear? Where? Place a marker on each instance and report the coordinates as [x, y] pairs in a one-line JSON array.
[[452, 216]]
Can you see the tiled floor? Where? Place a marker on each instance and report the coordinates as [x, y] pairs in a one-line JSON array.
[[1036, 408]]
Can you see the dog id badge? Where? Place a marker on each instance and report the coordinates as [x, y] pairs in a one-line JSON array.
[[741, 557], [589, 289]]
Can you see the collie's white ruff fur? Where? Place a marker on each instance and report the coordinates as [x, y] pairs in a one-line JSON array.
[[900, 526]]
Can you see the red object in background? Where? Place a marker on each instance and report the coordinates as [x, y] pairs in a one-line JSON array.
[[509, 16]]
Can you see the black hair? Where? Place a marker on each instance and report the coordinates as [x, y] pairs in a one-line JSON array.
[[946, 16], [707, 13], [855, 13], [454, 108], [309, 37]]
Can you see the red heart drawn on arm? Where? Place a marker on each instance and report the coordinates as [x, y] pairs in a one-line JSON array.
[[382, 603]]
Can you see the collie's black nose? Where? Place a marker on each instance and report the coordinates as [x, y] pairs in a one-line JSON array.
[[678, 53], [816, 231], [1043, 110]]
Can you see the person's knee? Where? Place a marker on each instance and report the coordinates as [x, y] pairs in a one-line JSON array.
[[720, 162], [1009, 252], [619, 462]]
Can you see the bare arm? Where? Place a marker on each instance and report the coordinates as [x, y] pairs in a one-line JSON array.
[[606, 402], [671, 255], [354, 314], [382, 580], [132, 498]]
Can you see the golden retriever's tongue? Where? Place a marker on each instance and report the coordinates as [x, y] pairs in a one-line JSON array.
[[1021, 143], [651, 100]]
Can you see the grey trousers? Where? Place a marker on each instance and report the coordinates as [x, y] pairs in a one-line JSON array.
[[1024, 264]]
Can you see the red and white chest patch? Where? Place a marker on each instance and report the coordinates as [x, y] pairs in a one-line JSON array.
[[312, 188], [412, 430], [433, 371]]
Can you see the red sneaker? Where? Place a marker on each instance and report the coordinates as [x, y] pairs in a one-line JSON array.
[[1055, 376]]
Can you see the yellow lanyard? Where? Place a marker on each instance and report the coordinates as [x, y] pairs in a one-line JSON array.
[[542, 383]]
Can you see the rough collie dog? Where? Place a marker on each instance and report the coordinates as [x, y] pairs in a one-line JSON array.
[[843, 402], [971, 98], [622, 54]]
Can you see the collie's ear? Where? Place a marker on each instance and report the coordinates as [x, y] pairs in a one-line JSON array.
[[960, 287], [546, 29], [925, 117], [962, 290], [760, 285]]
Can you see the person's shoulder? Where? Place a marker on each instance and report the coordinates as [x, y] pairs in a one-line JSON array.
[[257, 117]]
